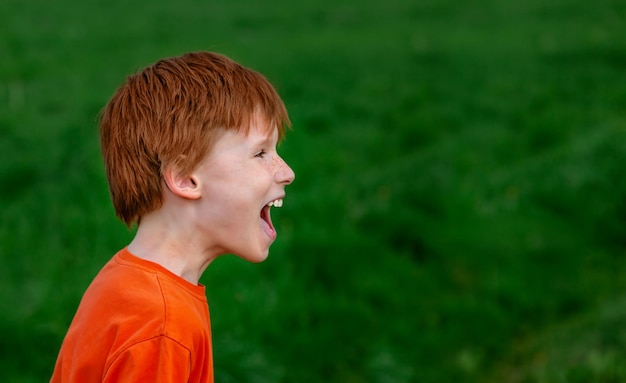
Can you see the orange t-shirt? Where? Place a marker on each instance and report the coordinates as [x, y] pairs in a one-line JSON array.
[[138, 322]]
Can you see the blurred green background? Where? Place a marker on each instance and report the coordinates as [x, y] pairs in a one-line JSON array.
[[459, 212]]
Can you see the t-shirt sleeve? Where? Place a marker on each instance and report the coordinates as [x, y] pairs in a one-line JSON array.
[[160, 359]]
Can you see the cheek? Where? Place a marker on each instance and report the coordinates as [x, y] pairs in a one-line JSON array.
[[239, 188]]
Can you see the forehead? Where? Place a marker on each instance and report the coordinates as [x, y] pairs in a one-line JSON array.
[[257, 132], [252, 137]]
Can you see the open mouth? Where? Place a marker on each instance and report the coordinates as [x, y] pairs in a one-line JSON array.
[[266, 217]]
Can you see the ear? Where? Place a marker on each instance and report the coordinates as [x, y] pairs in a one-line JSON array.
[[182, 185]]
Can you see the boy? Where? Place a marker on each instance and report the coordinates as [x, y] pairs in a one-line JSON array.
[[189, 146]]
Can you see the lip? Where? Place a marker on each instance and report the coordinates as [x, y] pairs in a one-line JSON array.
[[266, 219], [274, 199]]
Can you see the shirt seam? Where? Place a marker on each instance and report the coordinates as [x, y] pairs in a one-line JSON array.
[[122, 351]]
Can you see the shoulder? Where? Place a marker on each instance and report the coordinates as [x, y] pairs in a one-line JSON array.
[[120, 288], [131, 315]]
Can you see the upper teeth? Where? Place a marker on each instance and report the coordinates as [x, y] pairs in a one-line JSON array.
[[276, 203]]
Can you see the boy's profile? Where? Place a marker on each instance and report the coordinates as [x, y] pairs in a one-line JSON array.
[[189, 146]]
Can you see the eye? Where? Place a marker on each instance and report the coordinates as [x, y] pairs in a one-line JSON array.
[[260, 154]]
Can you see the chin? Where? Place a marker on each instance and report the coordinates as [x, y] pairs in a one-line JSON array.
[[256, 257]]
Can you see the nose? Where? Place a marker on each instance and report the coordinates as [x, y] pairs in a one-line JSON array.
[[283, 173]]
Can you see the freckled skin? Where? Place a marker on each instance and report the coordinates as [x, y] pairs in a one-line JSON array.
[[240, 176]]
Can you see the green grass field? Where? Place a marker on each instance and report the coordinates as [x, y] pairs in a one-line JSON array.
[[459, 211]]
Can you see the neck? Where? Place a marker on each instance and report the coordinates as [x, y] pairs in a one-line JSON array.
[[167, 243]]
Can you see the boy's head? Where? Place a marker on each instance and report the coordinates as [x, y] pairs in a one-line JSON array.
[[169, 115]]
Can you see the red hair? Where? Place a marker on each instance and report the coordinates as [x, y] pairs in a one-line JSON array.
[[169, 114]]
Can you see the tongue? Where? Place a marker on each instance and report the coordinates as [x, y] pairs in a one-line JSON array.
[[267, 220]]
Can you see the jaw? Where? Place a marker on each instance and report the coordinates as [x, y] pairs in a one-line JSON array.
[[257, 249], [256, 244]]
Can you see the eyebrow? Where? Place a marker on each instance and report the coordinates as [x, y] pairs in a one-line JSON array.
[[261, 142], [267, 139]]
